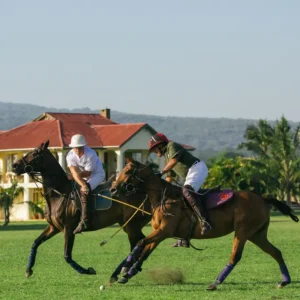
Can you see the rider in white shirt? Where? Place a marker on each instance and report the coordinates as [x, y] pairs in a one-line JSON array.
[[87, 170]]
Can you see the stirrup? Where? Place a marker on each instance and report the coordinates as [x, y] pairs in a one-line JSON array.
[[81, 226], [205, 227]]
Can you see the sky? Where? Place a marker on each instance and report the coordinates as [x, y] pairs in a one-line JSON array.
[[232, 59]]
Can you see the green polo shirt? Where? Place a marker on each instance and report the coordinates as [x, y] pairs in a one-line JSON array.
[[185, 158]]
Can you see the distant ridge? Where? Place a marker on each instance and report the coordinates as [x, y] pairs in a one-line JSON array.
[[207, 135]]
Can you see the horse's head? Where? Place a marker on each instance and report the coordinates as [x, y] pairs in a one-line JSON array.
[[32, 162], [133, 175]]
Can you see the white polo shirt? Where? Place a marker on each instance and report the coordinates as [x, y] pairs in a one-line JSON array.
[[90, 162]]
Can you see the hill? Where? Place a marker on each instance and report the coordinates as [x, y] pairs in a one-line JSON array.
[[207, 135]]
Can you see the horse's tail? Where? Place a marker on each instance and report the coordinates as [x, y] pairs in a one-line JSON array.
[[283, 208]]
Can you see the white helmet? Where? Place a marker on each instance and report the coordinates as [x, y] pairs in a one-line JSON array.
[[77, 140]]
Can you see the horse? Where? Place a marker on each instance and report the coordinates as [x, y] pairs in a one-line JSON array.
[[63, 214], [246, 214]]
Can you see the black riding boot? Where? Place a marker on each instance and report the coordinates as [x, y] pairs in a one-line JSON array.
[[202, 213], [85, 212]]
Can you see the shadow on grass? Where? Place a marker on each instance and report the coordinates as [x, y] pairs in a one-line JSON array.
[[23, 226], [243, 285], [20, 226]]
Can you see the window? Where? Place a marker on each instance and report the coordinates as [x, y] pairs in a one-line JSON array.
[[10, 160], [37, 196]]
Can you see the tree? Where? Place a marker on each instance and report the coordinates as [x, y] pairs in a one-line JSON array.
[[7, 197], [238, 173], [276, 149], [285, 147], [259, 138]]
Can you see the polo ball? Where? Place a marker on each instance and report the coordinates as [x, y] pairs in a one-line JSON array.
[[102, 287]]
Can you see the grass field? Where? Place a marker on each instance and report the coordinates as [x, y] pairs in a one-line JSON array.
[[255, 277]]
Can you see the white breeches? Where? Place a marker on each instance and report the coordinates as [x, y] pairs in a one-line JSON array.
[[95, 179], [196, 175]]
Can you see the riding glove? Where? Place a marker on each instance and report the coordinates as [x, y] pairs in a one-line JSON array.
[[159, 174]]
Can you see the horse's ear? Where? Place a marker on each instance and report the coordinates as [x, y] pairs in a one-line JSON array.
[[129, 160], [46, 145]]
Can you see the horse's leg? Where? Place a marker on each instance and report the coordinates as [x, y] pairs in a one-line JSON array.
[[260, 239], [140, 253], [236, 255], [69, 243], [48, 233], [135, 234]]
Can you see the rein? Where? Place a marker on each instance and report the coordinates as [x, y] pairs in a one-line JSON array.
[[137, 209], [130, 188], [126, 204], [35, 176]]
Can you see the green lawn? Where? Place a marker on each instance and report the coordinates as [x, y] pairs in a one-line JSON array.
[[255, 277]]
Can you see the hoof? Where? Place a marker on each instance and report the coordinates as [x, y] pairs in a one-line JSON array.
[[113, 279], [283, 284], [181, 243], [28, 273], [125, 270], [91, 271], [211, 287], [123, 280]]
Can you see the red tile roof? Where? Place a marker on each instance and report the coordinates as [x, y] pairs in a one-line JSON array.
[[95, 119], [31, 135], [70, 128], [117, 135]]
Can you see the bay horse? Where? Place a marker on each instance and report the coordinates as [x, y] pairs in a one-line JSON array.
[[63, 214], [246, 214]]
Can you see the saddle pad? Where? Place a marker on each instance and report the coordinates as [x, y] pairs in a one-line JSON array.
[[217, 199], [101, 203]]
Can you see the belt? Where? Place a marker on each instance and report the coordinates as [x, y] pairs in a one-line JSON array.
[[196, 161]]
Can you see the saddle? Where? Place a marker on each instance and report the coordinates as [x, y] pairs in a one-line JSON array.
[[214, 197], [99, 194]]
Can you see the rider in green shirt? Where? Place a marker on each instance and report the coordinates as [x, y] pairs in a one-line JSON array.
[[186, 166]]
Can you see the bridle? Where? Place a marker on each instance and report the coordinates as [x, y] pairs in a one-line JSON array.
[[38, 159], [128, 187], [29, 167]]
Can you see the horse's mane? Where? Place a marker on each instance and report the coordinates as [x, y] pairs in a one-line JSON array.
[[171, 190], [57, 164], [174, 191], [54, 175]]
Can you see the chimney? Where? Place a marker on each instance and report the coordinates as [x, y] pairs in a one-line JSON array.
[[105, 113]]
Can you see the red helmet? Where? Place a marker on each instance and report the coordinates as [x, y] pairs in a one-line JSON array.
[[157, 139]]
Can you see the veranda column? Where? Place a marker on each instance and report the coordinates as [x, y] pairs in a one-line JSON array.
[[26, 194], [4, 169], [145, 155], [120, 161], [62, 159], [101, 155]]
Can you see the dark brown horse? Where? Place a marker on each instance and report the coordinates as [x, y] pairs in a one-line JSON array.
[[247, 214], [63, 214]]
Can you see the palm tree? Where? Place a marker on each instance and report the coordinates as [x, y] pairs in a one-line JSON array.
[[7, 197], [259, 138], [285, 147], [276, 150]]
